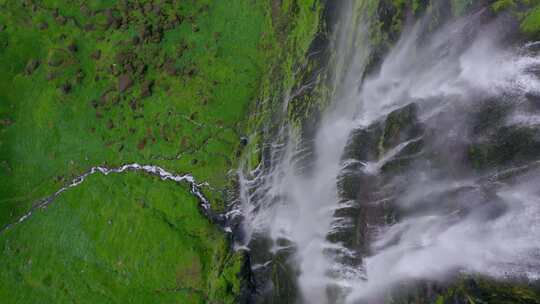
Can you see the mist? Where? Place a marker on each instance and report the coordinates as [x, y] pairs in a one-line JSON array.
[[450, 219]]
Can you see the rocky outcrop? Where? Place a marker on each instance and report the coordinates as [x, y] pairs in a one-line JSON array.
[[371, 156]]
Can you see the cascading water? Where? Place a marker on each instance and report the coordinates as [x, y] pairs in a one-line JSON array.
[[421, 170]]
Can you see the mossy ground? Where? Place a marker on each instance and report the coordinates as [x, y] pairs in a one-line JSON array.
[[205, 71], [86, 83], [117, 238]]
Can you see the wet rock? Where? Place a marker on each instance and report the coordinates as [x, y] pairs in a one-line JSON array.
[[31, 66], [124, 82], [488, 115], [362, 143], [510, 144], [401, 125], [247, 281], [364, 174], [244, 141]]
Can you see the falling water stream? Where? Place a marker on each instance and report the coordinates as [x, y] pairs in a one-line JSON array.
[[393, 193]]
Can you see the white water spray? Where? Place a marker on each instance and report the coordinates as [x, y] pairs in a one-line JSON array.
[[446, 75]]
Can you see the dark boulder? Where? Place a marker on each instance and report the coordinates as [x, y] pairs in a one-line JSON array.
[[401, 125], [508, 145]]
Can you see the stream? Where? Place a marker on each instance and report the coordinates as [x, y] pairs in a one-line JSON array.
[[195, 188]]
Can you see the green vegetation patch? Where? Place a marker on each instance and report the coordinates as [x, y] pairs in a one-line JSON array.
[[84, 83], [531, 22], [120, 238]]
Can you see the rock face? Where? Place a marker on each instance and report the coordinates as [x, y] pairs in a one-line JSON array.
[[366, 165], [498, 143], [381, 160]]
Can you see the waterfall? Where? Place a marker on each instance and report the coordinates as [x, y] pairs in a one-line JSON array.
[[422, 169]]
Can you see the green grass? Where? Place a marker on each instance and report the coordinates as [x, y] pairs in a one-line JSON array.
[[121, 238], [484, 290], [531, 22], [130, 238], [53, 136]]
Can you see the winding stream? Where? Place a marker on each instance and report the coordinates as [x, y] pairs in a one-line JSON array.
[[195, 188]]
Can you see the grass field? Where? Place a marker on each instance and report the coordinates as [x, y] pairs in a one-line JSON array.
[[102, 82]]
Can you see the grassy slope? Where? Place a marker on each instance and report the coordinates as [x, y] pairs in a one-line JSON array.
[[531, 21], [128, 238], [121, 238], [48, 136]]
